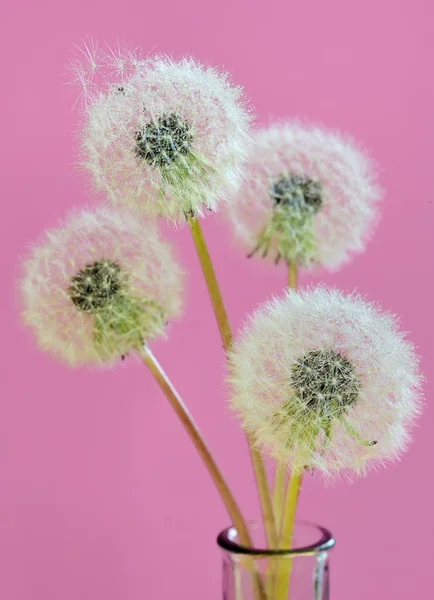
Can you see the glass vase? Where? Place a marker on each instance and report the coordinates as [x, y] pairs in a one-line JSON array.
[[299, 573]]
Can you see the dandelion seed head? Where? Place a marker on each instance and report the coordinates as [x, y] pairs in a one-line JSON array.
[[98, 286], [325, 381], [309, 197], [163, 137]]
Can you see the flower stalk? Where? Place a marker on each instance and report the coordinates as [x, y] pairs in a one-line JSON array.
[[279, 489], [211, 282], [192, 430], [292, 275], [226, 336], [195, 435], [287, 529], [285, 499]]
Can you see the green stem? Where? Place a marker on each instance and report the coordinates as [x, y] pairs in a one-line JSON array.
[[285, 542], [279, 495], [285, 500], [279, 488], [226, 336], [195, 435], [292, 275]]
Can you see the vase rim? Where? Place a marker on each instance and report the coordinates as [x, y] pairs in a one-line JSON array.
[[226, 541]]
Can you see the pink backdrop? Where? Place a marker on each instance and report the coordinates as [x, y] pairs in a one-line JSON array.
[[102, 495]]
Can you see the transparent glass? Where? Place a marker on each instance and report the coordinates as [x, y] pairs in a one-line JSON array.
[[300, 573]]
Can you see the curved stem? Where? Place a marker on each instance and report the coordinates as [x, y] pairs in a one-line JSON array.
[[195, 435], [192, 430], [211, 283], [226, 336]]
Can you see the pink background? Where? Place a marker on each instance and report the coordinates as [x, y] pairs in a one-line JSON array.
[[102, 495]]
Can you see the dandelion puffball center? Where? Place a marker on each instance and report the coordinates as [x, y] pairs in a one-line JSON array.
[[164, 141], [94, 286], [325, 382], [295, 200], [296, 192]]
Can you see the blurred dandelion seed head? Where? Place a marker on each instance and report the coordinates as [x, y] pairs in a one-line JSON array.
[[99, 286], [309, 197]]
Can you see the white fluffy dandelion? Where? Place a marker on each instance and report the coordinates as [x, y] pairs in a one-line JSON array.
[[325, 381], [99, 286], [309, 197], [168, 138]]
